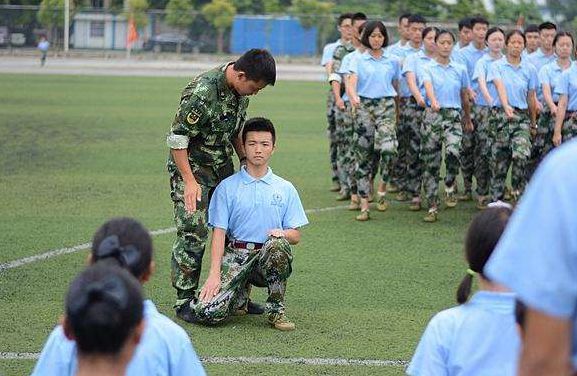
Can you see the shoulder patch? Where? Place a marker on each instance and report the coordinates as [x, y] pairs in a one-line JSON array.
[[192, 117]]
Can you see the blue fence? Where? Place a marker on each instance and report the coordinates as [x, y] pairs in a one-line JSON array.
[[281, 35]]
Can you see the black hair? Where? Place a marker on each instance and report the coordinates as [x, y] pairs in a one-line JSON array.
[[532, 28], [515, 32], [258, 124], [258, 65], [465, 23], [124, 242], [442, 32], [344, 16], [561, 34], [479, 20], [103, 307], [520, 313], [428, 29], [483, 235], [493, 30], [403, 16], [369, 28], [547, 26], [359, 16], [362, 28], [417, 18]]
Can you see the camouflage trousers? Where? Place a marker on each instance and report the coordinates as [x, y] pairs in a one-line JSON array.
[[345, 141], [542, 143], [569, 129], [400, 163], [190, 243], [413, 116], [331, 129], [438, 128], [268, 267], [476, 152], [511, 146], [375, 133]]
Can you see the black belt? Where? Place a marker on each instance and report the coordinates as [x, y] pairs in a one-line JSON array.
[[246, 245]]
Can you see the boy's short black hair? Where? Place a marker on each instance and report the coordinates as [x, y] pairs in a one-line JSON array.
[[547, 26], [369, 28], [465, 22], [417, 18], [479, 20], [359, 16], [532, 28], [344, 16], [258, 124], [258, 65], [403, 16]]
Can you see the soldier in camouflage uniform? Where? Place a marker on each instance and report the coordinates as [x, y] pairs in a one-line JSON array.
[[255, 216], [202, 138]]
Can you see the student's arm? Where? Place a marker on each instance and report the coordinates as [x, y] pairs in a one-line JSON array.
[[549, 98], [532, 103], [485, 90], [397, 103], [546, 346], [415, 92], [353, 96], [292, 235], [212, 285], [466, 103], [503, 98], [431, 95], [559, 118]]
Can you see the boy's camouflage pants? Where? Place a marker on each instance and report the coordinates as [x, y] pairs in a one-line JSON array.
[[569, 129], [345, 141], [268, 267], [331, 128], [190, 243], [476, 151], [438, 128], [375, 133], [511, 146], [542, 143], [413, 175], [400, 164]]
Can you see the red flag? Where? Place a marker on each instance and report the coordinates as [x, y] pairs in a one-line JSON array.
[[132, 35]]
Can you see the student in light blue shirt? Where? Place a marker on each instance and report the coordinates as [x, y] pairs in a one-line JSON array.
[[537, 259], [549, 77], [516, 83], [404, 36], [470, 54], [374, 83], [447, 85], [546, 53], [414, 73], [478, 337], [566, 120], [165, 348]]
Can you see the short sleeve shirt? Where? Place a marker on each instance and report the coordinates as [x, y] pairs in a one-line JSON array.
[[537, 254], [550, 75], [345, 67], [448, 81], [568, 86], [247, 208], [539, 59], [468, 56], [376, 76], [518, 80], [416, 63], [481, 70]]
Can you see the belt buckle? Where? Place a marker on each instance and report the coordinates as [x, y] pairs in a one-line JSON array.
[[250, 246]]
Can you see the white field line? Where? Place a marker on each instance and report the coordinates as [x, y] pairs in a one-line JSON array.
[[80, 247], [257, 360]]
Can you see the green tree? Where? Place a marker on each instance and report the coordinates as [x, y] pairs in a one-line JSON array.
[[180, 14], [220, 14], [465, 8], [565, 11], [273, 6], [426, 8], [508, 11], [314, 13], [136, 10], [51, 16]]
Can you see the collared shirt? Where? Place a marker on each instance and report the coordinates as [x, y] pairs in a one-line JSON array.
[[164, 350], [345, 70], [416, 63], [537, 254], [568, 86], [481, 70], [539, 59], [44, 45], [328, 51], [448, 81], [247, 208], [375, 76], [479, 337], [550, 74], [468, 56], [518, 81], [208, 120], [398, 49], [402, 53]]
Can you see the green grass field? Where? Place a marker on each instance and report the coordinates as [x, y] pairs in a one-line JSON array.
[[75, 151]]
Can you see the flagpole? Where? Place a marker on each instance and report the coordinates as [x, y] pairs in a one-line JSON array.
[[66, 24]]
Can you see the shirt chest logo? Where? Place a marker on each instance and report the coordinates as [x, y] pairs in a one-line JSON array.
[[276, 199]]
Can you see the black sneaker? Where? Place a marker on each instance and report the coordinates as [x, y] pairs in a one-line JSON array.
[[185, 313]]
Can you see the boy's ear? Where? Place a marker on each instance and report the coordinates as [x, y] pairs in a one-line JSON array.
[[67, 329]]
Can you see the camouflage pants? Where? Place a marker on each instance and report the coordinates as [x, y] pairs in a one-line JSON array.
[[542, 142], [331, 121], [268, 267], [569, 129], [476, 152], [511, 146], [400, 164], [375, 133], [190, 243], [413, 175], [438, 128], [345, 141]]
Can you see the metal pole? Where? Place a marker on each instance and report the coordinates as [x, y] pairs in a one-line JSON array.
[[66, 24]]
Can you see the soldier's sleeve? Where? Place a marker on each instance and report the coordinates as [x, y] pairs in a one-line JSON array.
[[192, 114], [337, 61]]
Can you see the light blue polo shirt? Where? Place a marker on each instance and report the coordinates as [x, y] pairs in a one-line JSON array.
[[479, 337], [539, 59], [416, 63], [375, 76], [448, 81], [468, 56], [328, 51], [247, 208], [568, 86], [550, 74], [481, 70], [398, 49], [402, 53], [164, 350], [344, 68], [518, 80], [537, 255]]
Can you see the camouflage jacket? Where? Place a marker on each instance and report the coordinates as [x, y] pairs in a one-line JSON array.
[[341, 51], [207, 121]]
